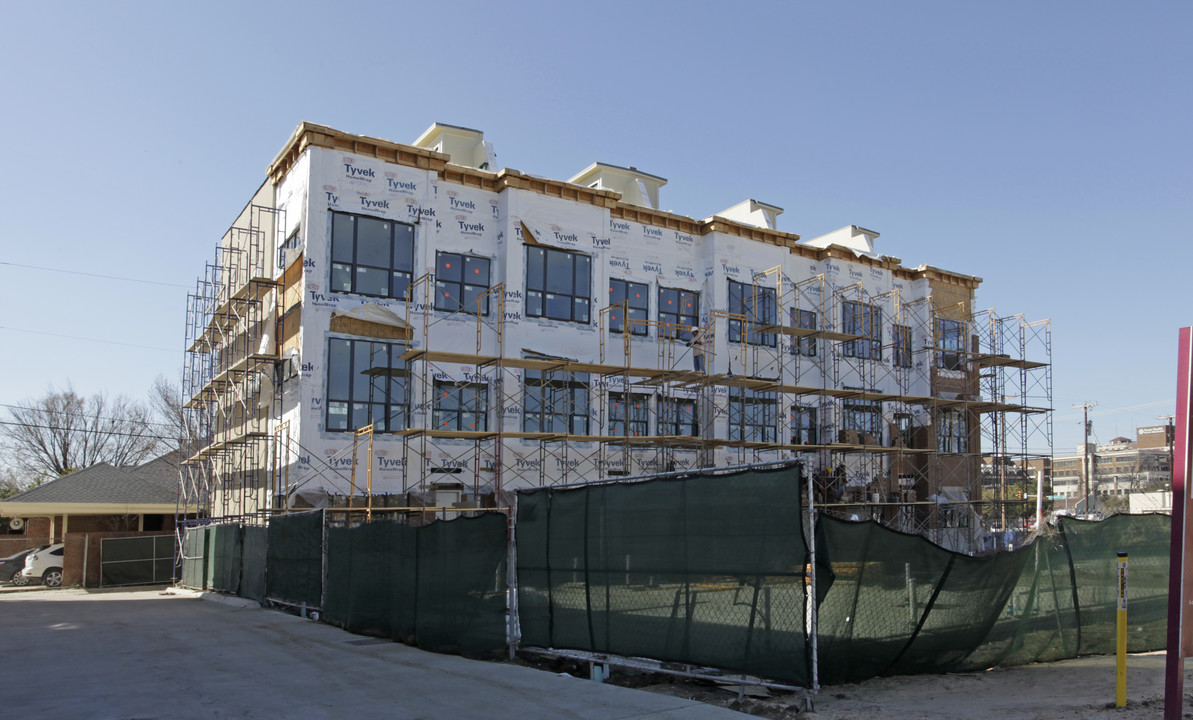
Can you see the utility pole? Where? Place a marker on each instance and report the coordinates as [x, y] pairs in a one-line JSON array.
[[1085, 451]]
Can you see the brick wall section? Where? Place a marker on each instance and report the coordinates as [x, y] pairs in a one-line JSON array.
[[39, 527]]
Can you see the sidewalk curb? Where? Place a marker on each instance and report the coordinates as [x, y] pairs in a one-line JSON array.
[[221, 598]]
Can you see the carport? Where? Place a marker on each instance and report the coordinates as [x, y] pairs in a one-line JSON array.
[[85, 507]]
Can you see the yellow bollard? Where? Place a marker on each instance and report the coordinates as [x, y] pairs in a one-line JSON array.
[[1120, 695]]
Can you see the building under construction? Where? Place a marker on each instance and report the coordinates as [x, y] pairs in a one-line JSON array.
[[389, 325]]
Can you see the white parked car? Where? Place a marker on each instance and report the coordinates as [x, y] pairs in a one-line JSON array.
[[45, 563]]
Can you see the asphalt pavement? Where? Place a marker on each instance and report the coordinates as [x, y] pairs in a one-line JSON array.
[[151, 654]]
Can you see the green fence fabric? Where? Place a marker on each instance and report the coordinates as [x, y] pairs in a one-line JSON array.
[[707, 570], [294, 559], [137, 560], [194, 558], [898, 604], [441, 587], [1038, 622], [1092, 547], [226, 545], [365, 568], [252, 581], [462, 585]]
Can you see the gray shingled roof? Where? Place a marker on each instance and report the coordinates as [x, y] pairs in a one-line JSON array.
[[154, 482]]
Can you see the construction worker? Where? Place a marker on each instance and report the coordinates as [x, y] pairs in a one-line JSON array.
[[697, 344]]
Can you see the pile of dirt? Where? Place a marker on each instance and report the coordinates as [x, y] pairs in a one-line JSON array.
[[1066, 690]]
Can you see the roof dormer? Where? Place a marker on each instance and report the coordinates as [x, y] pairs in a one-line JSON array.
[[467, 147], [634, 186], [752, 212]]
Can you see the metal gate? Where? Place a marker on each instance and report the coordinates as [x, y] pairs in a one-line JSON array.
[[136, 560]]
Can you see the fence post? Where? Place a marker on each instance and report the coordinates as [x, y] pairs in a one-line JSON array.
[[1120, 691], [812, 617], [511, 574]]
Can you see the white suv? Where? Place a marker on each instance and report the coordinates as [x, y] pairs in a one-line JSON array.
[[45, 563]]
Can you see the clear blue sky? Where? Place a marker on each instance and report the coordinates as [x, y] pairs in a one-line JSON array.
[[1043, 146]]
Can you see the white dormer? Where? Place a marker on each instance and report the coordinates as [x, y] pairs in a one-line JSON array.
[[858, 239], [634, 186], [466, 146], [752, 212]]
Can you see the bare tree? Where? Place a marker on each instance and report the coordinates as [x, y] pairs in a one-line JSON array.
[[63, 431], [165, 399], [10, 484]]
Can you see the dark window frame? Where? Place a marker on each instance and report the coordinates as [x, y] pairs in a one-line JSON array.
[[864, 416], [753, 415], [556, 401], [759, 305], [634, 412], [859, 318], [677, 317], [638, 306], [805, 319], [804, 428], [399, 268], [544, 291], [901, 353], [952, 432], [672, 419], [451, 402], [450, 292], [951, 349], [351, 398]]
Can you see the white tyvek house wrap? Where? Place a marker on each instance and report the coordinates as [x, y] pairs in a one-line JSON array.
[[470, 220]]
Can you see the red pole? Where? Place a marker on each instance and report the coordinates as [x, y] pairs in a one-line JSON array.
[[1180, 593]]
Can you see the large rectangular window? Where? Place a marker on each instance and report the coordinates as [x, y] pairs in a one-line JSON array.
[[367, 382], [950, 344], [558, 284], [461, 406], [556, 402], [902, 335], [952, 431], [752, 415], [902, 430], [803, 425], [629, 417], [678, 309], [678, 417], [805, 319], [636, 296], [370, 256], [757, 305], [865, 320], [461, 283], [864, 416]]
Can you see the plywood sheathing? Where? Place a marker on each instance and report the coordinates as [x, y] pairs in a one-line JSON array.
[[313, 135]]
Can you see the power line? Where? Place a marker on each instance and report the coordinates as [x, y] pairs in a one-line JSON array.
[[76, 337], [88, 417], [96, 275], [93, 432]]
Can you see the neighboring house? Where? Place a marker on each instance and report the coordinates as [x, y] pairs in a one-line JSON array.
[[101, 498]]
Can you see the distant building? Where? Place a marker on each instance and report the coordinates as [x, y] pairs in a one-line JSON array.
[[1118, 468]]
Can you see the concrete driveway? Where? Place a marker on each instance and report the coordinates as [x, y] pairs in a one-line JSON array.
[[146, 654]]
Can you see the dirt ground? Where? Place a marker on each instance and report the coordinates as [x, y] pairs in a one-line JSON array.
[[1081, 688]]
